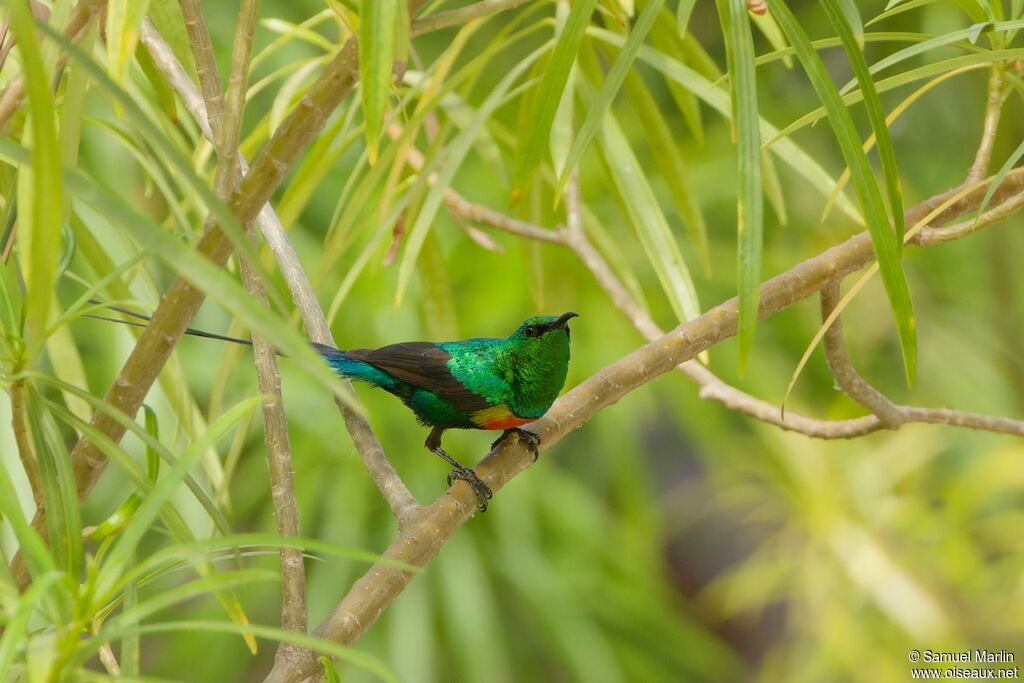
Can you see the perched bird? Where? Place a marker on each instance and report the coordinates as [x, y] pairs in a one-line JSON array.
[[496, 384]]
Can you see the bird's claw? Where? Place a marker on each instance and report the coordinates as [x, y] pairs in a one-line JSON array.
[[531, 440], [483, 491]]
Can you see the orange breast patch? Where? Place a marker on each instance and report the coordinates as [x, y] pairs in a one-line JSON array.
[[499, 417]]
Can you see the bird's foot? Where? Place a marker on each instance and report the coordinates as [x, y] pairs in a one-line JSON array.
[[483, 491], [531, 440]]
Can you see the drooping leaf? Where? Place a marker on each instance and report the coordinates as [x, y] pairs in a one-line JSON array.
[[750, 200], [124, 18], [887, 247], [377, 27], [40, 191], [595, 115], [840, 18], [551, 91]]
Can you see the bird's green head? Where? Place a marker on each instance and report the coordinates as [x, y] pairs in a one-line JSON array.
[[544, 331], [539, 355]]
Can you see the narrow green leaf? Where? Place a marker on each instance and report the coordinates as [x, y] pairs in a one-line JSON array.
[[932, 44], [152, 456], [887, 249], [616, 255], [750, 200], [847, 9], [151, 444], [39, 188], [124, 546], [167, 17], [649, 221], [770, 29], [773, 186], [621, 66], [550, 92], [349, 654], [683, 13], [162, 89], [203, 586], [899, 7], [377, 28], [131, 650], [124, 18], [665, 38], [403, 24], [840, 18], [330, 673], [562, 128], [63, 520], [665, 149]]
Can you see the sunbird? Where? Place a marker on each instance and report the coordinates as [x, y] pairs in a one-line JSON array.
[[481, 383]]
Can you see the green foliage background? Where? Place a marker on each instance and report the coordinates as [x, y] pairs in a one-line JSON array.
[[669, 539]]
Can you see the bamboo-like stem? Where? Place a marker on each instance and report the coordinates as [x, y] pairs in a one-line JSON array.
[[225, 115], [24, 443], [993, 112], [399, 499], [427, 533], [206, 65]]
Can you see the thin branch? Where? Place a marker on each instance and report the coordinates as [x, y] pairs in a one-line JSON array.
[[848, 379], [889, 414], [24, 443], [428, 532], [477, 213], [461, 15], [711, 387], [993, 111], [948, 233], [399, 499]]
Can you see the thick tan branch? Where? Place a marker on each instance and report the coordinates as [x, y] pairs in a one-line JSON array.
[[425, 536]]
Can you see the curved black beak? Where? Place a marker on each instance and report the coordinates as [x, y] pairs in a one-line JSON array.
[[566, 317]]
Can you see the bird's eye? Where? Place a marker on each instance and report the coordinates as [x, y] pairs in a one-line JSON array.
[[532, 331]]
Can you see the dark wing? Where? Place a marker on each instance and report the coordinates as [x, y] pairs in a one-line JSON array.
[[423, 365]]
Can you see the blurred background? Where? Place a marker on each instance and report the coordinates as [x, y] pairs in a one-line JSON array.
[[668, 539]]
